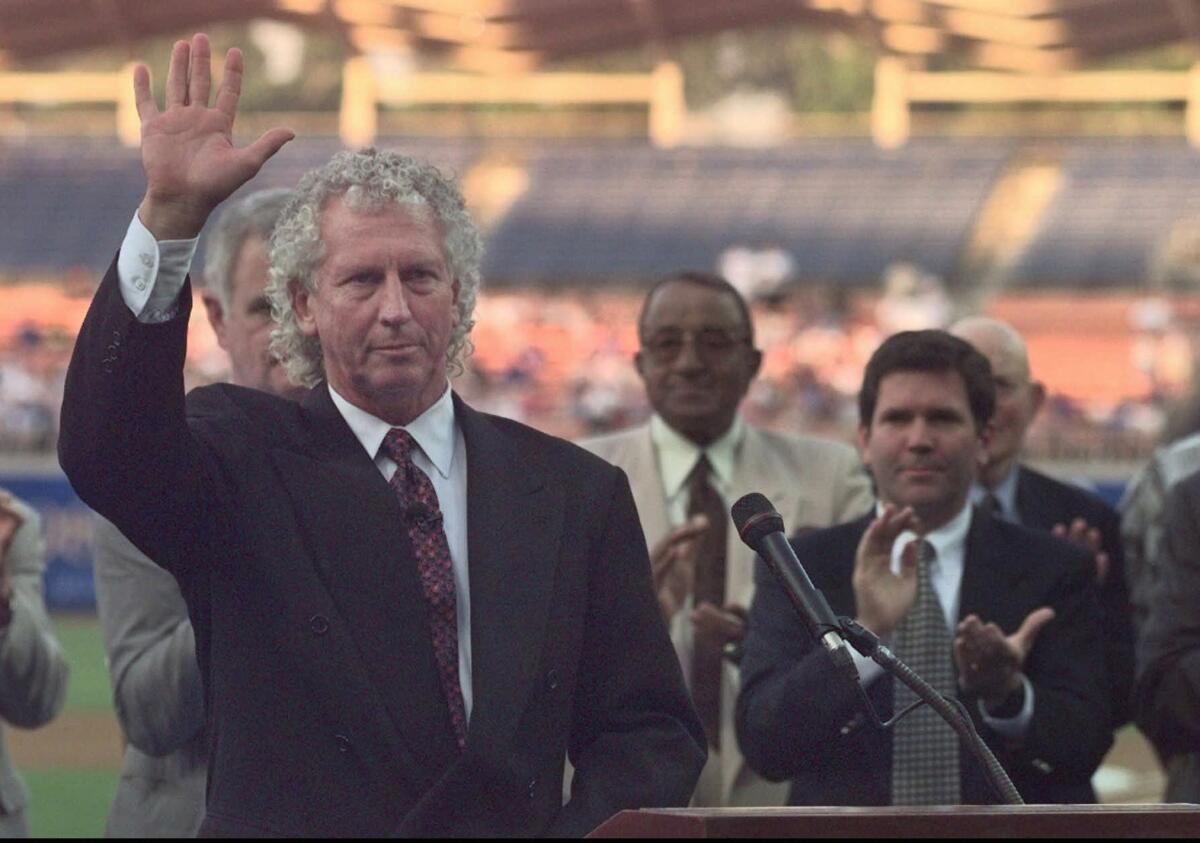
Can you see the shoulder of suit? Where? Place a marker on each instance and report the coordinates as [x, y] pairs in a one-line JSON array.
[[225, 405], [1036, 547], [609, 444], [538, 446], [802, 446], [1085, 501]]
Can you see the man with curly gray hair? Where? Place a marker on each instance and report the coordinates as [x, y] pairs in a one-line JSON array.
[[408, 614]]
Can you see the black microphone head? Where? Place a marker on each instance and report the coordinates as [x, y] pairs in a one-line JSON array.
[[755, 517]]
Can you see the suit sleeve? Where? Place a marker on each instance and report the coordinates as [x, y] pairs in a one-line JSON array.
[[781, 722], [635, 740], [33, 671], [150, 644], [1070, 730], [1168, 689], [124, 441]]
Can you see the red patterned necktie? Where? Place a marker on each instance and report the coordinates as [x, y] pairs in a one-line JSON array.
[[419, 502]]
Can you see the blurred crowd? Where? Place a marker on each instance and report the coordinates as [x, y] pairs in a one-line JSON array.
[[561, 361]]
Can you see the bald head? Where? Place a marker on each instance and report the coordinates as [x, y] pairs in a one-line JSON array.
[[997, 341], [1018, 396]]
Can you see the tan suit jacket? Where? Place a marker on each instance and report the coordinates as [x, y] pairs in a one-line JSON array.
[[812, 483]]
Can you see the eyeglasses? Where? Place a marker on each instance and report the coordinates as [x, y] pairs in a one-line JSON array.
[[711, 344]]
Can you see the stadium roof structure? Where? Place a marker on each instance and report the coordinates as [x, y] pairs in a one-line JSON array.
[[495, 35]]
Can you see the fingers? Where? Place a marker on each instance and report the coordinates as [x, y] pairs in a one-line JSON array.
[[142, 95], [1102, 566], [259, 152], [177, 74], [718, 624], [200, 71], [1025, 635], [876, 543], [231, 84]]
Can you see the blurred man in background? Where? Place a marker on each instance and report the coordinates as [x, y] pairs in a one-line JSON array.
[[694, 458], [33, 672], [1169, 646], [147, 634], [1015, 492]]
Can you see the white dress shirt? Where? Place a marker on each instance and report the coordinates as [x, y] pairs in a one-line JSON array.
[[152, 274], [946, 572], [677, 456]]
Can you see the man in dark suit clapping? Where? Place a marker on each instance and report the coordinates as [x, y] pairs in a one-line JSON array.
[[1002, 617], [407, 613]]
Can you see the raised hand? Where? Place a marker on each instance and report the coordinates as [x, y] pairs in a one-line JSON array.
[[989, 662], [883, 598], [188, 154], [1087, 537]]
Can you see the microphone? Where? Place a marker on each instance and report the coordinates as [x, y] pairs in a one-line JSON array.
[[761, 527]]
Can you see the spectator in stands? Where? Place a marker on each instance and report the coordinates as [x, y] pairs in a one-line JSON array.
[[33, 672], [147, 634], [687, 465], [1002, 617], [1015, 492], [1169, 646]]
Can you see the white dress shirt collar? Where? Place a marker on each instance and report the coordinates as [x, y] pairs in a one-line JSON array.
[[677, 455], [948, 540], [433, 430]]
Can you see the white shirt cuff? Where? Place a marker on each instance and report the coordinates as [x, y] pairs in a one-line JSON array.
[[152, 273], [1012, 727]]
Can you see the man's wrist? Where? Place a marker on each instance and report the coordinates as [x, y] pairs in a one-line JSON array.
[[171, 220], [1008, 704]]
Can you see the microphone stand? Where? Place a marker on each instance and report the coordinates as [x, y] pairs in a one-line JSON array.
[[950, 710]]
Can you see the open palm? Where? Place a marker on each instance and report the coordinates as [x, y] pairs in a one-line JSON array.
[[188, 155]]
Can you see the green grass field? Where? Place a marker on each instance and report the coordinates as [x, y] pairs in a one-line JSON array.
[[71, 765]]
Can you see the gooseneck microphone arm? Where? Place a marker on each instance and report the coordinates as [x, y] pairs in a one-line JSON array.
[[761, 527]]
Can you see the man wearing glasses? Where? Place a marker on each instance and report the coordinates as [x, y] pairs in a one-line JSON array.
[[687, 465]]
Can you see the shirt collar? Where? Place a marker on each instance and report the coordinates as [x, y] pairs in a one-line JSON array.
[[1005, 492], [948, 540], [433, 430], [677, 455]]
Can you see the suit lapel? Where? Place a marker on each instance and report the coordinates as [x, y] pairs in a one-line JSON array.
[[365, 562], [988, 577], [754, 472], [515, 521], [647, 486]]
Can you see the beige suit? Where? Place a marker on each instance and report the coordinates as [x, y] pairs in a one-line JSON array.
[[812, 483]]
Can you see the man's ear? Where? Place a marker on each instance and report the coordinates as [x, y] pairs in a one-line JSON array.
[[216, 315], [864, 436], [639, 363], [1037, 397], [756, 358], [985, 439], [302, 308]]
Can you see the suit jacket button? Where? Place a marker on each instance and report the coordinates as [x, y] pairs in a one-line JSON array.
[[532, 789], [343, 743], [552, 680], [319, 624]]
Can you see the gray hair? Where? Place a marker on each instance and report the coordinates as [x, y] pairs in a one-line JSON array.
[[255, 214], [365, 181]]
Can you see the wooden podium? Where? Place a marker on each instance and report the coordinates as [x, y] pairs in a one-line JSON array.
[[958, 821]]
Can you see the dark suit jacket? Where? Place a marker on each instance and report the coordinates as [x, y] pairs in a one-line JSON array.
[[797, 719], [1169, 648], [325, 713], [1043, 502]]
